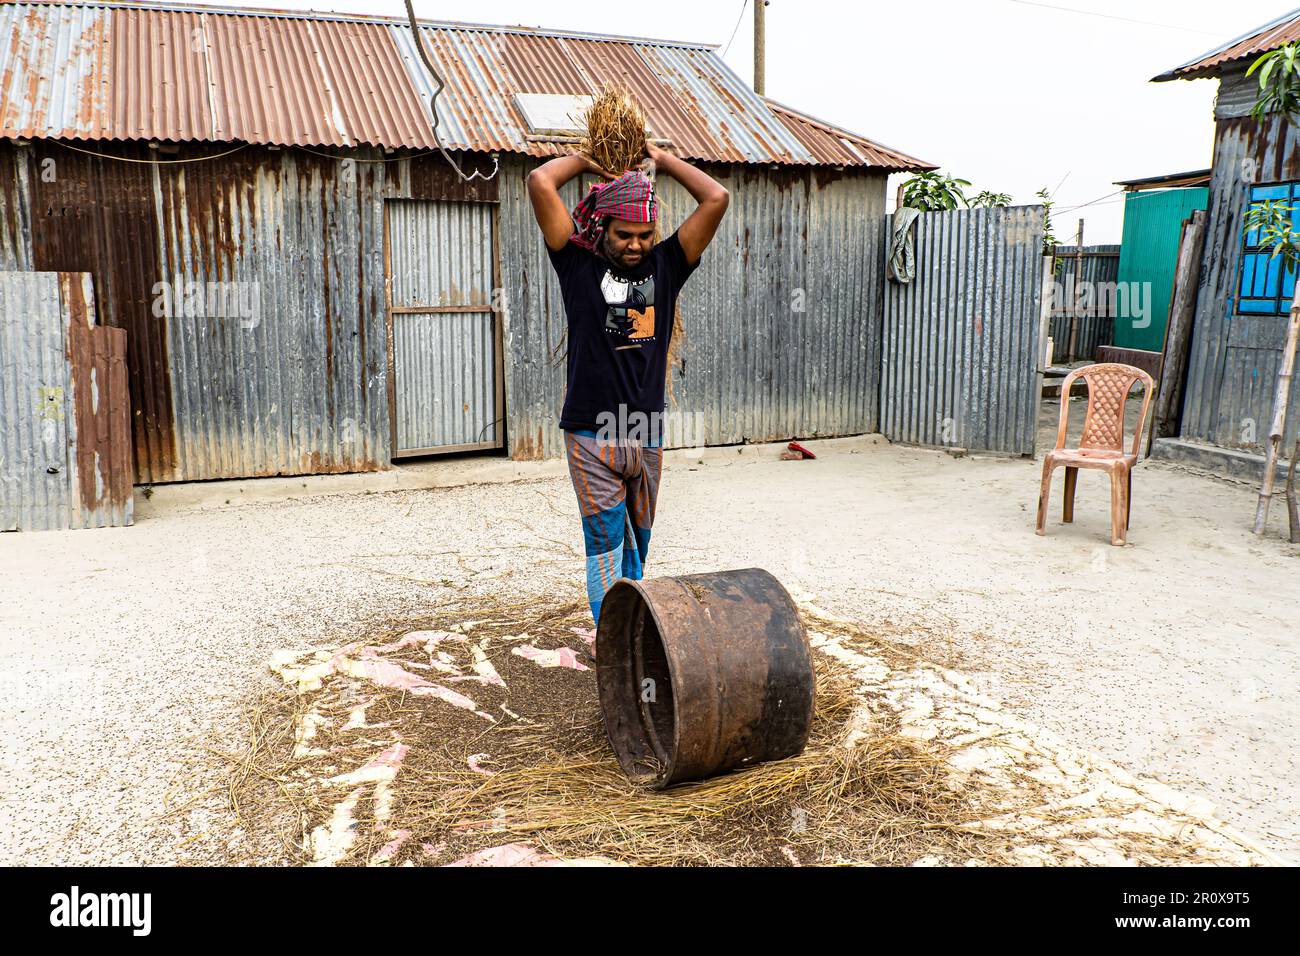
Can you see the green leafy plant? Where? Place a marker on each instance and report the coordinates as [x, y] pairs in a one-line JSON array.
[[1273, 220], [934, 191], [1049, 239], [990, 200], [1279, 82]]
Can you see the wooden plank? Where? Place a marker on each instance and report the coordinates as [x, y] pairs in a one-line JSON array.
[[1178, 330], [431, 309]]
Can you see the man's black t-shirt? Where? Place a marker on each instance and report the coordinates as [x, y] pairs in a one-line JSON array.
[[620, 323]]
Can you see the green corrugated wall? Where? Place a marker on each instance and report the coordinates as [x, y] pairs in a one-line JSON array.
[[1153, 224]]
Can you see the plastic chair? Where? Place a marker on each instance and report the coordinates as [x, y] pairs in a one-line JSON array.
[[1101, 445]]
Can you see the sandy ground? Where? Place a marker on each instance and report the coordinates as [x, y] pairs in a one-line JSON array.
[[1176, 657]]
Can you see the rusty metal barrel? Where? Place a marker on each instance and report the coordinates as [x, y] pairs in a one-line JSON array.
[[702, 673]]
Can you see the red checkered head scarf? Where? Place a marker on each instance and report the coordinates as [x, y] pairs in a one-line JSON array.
[[631, 197]]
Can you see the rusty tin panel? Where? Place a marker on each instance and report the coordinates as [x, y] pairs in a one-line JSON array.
[[273, 314], [99, 216], [100, 469], [53, 71]]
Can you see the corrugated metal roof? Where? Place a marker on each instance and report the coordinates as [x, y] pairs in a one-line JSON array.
[[173, 73], [1279, 32], [830, 144], [1198, 177]]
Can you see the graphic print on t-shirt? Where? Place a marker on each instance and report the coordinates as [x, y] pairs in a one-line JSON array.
[[631, 303]]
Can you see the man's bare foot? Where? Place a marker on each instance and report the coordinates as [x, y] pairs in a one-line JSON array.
[[588, 635]]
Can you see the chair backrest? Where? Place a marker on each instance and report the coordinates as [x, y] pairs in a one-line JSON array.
[[1108, 390]]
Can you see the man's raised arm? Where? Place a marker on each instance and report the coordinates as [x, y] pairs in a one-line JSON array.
[[697, 231], [544, 184]]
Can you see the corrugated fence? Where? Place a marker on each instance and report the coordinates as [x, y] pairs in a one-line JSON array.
[[961, 341], [65, 444], [1096, 312]]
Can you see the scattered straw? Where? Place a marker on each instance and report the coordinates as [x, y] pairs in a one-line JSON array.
[[867, 789]]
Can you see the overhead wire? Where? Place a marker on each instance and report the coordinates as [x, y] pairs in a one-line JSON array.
[[1111, 16], [741, 16], [433, 102], [148, 162]]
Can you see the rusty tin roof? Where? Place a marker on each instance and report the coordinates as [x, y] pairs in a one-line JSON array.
[[1279, 32], [173, 73]]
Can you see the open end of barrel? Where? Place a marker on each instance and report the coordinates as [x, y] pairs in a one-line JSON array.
[[636, 688]]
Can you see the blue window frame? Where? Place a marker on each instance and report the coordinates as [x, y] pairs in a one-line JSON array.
[[1265, 287]]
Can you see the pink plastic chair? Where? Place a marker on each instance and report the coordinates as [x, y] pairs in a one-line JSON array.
[[1102, 443]]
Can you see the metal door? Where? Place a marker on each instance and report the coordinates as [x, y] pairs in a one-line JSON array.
[[445, 381]]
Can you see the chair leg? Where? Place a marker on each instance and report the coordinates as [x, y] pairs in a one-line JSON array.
[[1128, 501], [1067, 505], [1044, 493], [1118, 507]]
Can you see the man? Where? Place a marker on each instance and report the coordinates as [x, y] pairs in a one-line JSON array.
[[620, 294]]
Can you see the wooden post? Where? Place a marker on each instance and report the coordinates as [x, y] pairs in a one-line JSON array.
[[1293, 508], [1044, 330], [1178, 329], [1281, 397], [1074, 310], [760, 51]]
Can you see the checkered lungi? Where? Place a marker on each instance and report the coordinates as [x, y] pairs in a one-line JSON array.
[[617, 485]]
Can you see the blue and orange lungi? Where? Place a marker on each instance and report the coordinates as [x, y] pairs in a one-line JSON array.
[[617, 485]]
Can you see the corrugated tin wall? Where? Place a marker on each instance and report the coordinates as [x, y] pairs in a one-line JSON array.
[[961, 341], [1237, 92], [1153, 227], [64, 405], [281, 371], [1232, 371], [1100, 265], [263, 352], [251, 289], [782, 336], [34, 387]]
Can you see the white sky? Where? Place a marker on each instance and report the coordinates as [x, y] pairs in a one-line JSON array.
[[1009, 94]]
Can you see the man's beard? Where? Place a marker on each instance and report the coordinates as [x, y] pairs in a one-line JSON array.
[[607, 251]]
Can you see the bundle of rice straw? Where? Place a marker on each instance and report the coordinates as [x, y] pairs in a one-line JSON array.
[[615, 125]]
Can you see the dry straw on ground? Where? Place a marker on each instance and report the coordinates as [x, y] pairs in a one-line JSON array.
[[872, 787]]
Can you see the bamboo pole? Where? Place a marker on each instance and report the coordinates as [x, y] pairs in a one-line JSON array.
[[1280, 399], [1292, 507], [1076, 305]]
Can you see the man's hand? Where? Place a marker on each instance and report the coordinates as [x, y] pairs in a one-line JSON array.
[[544, 184], [697, 231], [654, 154]]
